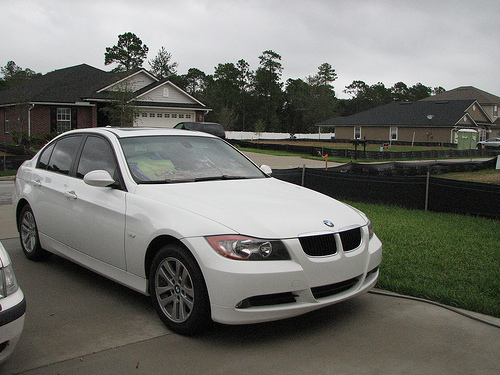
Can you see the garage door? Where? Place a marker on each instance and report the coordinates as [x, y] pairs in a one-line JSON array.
[[162, 119]]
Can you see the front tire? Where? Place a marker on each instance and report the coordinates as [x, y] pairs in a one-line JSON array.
[[178, 291], [28, 234]]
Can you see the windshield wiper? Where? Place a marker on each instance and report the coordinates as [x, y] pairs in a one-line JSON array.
[[221, 177]]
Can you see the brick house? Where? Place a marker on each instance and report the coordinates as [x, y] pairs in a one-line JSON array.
[[73, 97], [433, 120]]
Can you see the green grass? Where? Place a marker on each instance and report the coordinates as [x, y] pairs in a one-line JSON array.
[[447, 258], [330, 159], [10, 172], [487, 176]]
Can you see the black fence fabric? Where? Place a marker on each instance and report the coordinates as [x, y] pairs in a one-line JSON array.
[[411, 192], [415, 168], [371, 155], [464, 197]]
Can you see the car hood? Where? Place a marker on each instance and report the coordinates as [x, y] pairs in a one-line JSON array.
[[264, 208]]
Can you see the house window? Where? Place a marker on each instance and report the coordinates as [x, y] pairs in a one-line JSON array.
[[159, 115], [167, 115], [151, 115], [6, 127], [166, 93], [144, 114], [394, 134], [181, 115], [174, 115], [188, 116], [63, 120], [357, 132], [495, 111]]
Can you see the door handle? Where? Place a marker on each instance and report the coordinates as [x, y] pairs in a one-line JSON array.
[[71, 195], [37, 183]]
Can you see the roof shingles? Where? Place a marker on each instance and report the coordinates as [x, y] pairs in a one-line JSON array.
[[421, 113]]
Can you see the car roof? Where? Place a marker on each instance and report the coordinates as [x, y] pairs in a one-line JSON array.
[[136, 131]]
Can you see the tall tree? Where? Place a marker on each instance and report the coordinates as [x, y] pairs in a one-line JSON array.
[[400, 91], [129, 53], [419, 91], [161, 66], [267, 87], [325, 76], [14, 75], [196, 81]]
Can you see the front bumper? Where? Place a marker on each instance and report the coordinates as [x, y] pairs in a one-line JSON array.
[[12, 313], [244, 292]]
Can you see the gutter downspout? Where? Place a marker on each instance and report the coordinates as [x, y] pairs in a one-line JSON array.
[[31, 106]]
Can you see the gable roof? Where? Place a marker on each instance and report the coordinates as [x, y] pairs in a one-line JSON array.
[[68, 85], [420, 113], [466, 93], [86, 83]]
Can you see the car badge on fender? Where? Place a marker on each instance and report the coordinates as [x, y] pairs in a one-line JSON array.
[[328, 223]]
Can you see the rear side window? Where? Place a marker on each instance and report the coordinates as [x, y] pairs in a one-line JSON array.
[[43, 162], [97, 155], [62, 155]]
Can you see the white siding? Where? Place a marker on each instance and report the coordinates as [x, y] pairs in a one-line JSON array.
[[174, 95], [133, 83]]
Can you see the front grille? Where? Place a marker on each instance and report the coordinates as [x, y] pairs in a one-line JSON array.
[[332, 289], [267, 300], [325, 244], [351, 239], [317, 246]]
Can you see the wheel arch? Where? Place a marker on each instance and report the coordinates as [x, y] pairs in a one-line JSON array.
[[20, 205], [156, 245]]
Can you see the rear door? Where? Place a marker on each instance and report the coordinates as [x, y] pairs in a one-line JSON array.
[[50, 203]]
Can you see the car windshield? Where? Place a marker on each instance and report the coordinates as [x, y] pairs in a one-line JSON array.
[[173, 159]]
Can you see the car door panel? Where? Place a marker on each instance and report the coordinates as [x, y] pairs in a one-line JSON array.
[[97, 222]]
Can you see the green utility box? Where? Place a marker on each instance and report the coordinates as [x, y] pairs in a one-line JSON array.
[[467, 139]]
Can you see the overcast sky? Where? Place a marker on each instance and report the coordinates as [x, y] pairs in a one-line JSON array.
[[436, 42]]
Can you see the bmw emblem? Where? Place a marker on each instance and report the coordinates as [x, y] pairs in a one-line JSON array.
[[328, 223]]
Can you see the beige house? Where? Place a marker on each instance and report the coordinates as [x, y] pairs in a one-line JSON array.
[[433, 120]]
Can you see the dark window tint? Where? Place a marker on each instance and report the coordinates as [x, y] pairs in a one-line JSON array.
[[43, 162], [96, 155], [64, 154]]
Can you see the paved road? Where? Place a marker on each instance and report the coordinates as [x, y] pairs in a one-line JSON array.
[[286, 162], [81, 323]]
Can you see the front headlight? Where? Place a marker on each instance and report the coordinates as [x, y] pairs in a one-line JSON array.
[[247, 248], [370, 229], [8, 283]]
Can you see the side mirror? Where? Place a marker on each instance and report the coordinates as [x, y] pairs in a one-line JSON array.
[[266, 169], [98, 178]]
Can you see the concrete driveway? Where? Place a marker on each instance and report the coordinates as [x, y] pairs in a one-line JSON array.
[[80, 323]]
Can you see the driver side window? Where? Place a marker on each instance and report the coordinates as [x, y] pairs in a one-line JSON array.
[[97, 154]]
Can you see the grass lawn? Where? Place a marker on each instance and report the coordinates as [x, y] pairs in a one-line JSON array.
[[350, 146], [330, 158], [485, 176], [447, 258]]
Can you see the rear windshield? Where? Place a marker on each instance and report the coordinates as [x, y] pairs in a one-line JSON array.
[[175, 159]]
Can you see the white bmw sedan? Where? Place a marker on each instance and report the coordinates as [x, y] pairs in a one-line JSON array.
[[186, 218]]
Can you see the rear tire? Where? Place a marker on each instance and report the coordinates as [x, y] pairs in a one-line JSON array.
[[178, 291], [28, 234]]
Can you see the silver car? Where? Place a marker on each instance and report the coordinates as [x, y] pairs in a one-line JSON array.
[[490, 143]]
